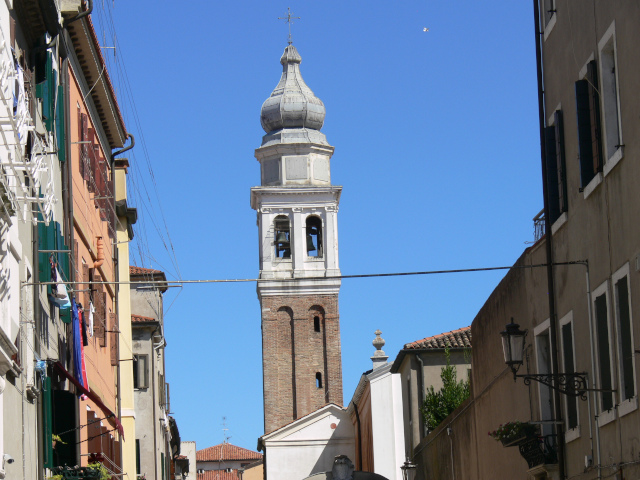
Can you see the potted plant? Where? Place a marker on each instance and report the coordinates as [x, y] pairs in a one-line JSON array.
[[101, 469], [55, 439], [512, 433]]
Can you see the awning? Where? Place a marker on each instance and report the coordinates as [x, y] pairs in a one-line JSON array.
[[57, 366]]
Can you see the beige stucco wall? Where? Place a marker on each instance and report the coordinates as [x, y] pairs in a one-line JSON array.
[[125, 355]]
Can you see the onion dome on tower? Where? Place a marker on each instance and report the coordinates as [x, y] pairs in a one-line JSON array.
[[292, 104]]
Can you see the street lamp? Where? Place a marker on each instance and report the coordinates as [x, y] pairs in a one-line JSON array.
[[407, 469], [573, 384]]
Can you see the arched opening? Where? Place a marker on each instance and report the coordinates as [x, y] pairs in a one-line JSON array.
[[316, 323], [282, 232], [318, 380], [314, 236]]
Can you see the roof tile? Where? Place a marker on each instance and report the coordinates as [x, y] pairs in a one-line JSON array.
[[226, 451], [133, 270], [219, 475], [141, 319], [460, 338]]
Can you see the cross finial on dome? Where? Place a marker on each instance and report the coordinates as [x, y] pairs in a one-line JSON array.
[[289, 20]]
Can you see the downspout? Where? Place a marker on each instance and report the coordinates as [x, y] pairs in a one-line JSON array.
[[118, 152], [355, 408], [594, 393], [559, 426], [153, 400], [81, 14], [421, 393]]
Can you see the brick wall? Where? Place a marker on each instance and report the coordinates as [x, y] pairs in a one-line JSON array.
[[293, 353]]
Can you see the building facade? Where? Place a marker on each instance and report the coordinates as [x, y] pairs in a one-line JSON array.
[[579, 314], [297, 210], [151, 390]]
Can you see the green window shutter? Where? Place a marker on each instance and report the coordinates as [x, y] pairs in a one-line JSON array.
[[62, 154], [46, 90], [47, 422], [44, 272], [63, 257]]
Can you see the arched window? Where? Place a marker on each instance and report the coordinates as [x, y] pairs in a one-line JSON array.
[[318, 380], [314, 236], [282, 239], [316, 323]]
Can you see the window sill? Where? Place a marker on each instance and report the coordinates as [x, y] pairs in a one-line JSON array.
[[628, 406], [549, 26], [562, 219], [606, 417], [572, 434], [613, 161], [593, 184]]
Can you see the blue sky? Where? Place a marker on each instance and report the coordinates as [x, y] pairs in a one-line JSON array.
[[436, 147]]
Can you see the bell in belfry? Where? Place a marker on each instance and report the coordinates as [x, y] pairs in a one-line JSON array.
[[310, 246]]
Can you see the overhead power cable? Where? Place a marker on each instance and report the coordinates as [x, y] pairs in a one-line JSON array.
[[331, 277]]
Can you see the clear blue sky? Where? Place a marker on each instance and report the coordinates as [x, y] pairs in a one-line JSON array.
[[436, 147]]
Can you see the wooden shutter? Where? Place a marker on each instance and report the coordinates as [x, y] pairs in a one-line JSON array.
[[594, 112], [47, 422], [552, 173], [60, 132], [105, 318], [84, 148], [91, 162], [585, 146], [80, 139], [113, 338], [86, 296], [558, 124]]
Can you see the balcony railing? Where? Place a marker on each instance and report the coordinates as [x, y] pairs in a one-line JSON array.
[[538, 226]]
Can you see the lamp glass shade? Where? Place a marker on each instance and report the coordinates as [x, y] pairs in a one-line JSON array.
[[513, 344]]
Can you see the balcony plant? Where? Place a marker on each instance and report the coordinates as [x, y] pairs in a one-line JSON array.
[[513, 433]]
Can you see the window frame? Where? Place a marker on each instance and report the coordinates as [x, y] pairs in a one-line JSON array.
[[136, 371], [625, 404], [280, 218], [547, 25], [573, 432], [605, 416], [544, 392], [608, 42]]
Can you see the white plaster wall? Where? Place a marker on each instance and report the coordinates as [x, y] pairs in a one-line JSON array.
[[387, 423], [188, 449], [310, 447]]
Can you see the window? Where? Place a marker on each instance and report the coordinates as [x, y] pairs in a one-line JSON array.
[[568, 366], [314, 236], [556, 169], [603, 354], [137, 456], [282, 232], [543, 357], [316, 323], [548, 16], [610, 99], [589, 135], [318, 380], [140, 371], [624, 325]]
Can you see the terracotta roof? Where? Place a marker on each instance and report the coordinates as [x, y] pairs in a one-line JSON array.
[[460, 338], [141, 319], [219, 475], [133, 270], [226, 451]]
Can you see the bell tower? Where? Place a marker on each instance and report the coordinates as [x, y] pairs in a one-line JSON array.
[[297, 210]]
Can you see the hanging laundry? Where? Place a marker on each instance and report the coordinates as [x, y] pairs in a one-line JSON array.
[[59, 295], [83, 323], [91, 312], [78, 353]]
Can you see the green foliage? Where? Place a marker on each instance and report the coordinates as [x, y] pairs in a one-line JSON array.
[[104, 473], [438, 405]]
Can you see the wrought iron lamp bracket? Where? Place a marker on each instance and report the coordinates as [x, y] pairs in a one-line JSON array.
[[572, 384]]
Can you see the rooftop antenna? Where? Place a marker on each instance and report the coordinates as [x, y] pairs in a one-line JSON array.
[[225, 430], [289, 20]]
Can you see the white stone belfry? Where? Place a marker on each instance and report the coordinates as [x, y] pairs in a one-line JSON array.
[[296, 204]]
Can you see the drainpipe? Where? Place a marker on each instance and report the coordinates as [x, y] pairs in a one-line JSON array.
[[81, 14], [421, 394], [118, 152], [355, 407], [594, 393], [559, 426], [100, 255]]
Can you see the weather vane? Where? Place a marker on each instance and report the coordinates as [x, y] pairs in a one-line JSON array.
[[289, 19]]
